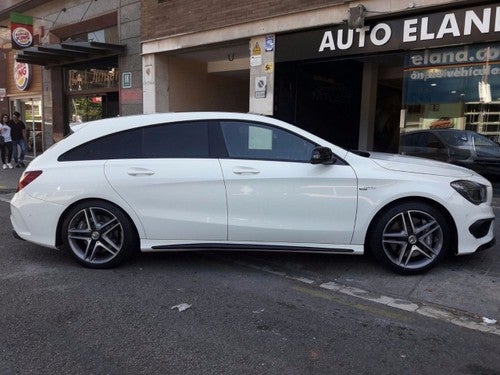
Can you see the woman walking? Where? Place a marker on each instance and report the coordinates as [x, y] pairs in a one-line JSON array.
[[6, 145]]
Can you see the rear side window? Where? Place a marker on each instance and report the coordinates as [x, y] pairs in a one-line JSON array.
[[410, 140], [122, 145], [430, 140], [172, 140]]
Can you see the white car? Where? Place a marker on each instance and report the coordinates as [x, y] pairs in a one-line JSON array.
[[190, 181]]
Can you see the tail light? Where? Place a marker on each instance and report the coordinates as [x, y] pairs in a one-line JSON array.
[[27, 178]]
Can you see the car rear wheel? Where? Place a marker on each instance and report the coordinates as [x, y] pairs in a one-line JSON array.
[[98, 234], [410, 238]]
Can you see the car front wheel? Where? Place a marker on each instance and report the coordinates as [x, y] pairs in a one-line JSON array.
[[410, 237], [98, 234]]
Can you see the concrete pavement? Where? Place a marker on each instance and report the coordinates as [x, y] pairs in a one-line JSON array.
[[10, 177]]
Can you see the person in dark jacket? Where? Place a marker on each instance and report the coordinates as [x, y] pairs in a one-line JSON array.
[[18, 135]]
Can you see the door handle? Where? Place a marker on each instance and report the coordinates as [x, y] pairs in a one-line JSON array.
[[140, 172], [245, 170]]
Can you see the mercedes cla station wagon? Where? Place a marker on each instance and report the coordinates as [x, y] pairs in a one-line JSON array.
[[190, 181]]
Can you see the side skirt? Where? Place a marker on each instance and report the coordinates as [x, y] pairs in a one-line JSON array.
[[247, 247]]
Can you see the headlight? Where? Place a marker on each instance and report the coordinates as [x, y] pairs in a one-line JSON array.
[[474, 192]]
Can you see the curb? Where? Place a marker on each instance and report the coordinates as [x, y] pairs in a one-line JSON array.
[[7, 190]]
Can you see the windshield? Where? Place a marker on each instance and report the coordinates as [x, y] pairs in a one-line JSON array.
[[485, 147]]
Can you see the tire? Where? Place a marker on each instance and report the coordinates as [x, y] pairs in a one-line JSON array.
[[98, 234], [410, 237]]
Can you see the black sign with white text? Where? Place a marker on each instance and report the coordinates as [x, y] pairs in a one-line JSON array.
[[458, 26]]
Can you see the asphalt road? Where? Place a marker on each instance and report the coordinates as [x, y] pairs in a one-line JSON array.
[[247, 316]]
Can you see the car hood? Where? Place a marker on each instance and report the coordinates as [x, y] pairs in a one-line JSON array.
[[413, 164]]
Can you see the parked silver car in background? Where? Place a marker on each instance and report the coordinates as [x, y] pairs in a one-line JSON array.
[[461, 147]]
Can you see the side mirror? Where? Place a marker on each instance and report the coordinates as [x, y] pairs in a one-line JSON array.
[[322, 155]]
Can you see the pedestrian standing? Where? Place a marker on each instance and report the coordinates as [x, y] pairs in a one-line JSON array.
[[6, 145], [18, 134]]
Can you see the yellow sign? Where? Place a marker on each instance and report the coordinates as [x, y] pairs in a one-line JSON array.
[[269, 67], [256, 50]]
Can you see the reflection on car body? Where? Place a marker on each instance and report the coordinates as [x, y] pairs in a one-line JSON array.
[[214, 180]]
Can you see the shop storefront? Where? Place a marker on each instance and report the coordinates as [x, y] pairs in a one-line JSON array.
[[363, 87], [85, 63], [91, 91]]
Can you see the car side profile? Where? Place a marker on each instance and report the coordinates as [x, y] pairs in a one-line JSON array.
[[460, 147], [232, 181]]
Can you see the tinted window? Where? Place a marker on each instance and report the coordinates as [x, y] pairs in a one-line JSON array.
[[120, 145], [485, 147], [410, 140], [246, 140], [176, 140], [456, 138], [430, 140]]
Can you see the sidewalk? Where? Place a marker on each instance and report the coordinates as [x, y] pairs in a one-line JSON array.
[[10, 177]]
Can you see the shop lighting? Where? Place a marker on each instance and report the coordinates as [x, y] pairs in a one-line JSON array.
[[356, 18], [434, 84]]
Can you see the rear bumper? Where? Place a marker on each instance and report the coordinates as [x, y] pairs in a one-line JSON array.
[[17, 236]]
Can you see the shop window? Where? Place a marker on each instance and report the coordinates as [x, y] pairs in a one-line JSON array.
[[453, 88]]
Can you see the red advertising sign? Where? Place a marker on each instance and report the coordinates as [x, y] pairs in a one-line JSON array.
[[22, 75], [21, 30]]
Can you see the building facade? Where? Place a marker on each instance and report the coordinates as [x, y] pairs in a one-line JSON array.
[[355, 73], [84, 62]]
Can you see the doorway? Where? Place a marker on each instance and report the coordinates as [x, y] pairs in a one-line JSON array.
[[321, 97]]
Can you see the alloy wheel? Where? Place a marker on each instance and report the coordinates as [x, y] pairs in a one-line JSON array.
[[95, 235], [412, 239]]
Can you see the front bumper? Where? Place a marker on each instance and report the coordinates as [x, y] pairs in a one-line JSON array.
[[481, 227], [487, 245]]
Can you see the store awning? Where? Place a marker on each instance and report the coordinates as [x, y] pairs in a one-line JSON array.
[[68, 52]]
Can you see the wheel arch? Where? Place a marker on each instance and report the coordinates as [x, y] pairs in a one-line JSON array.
[[442, 209], [58, 239]]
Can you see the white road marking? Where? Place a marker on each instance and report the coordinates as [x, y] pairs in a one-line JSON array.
[[459, 318]]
